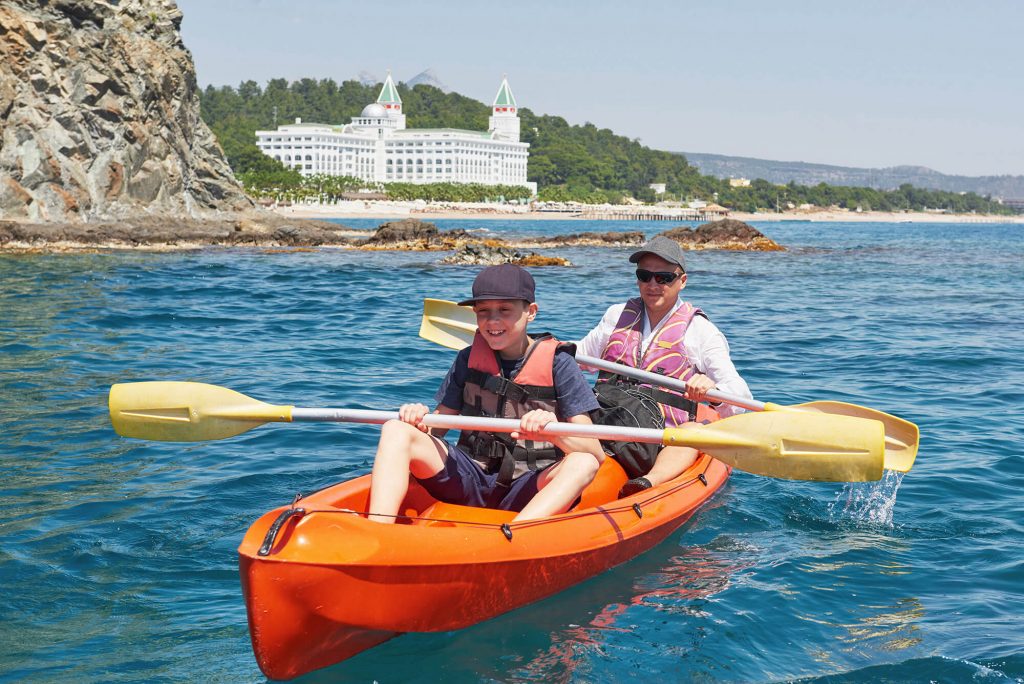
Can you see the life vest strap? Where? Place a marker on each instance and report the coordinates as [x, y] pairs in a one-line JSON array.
[[508, 389], [501, 453]]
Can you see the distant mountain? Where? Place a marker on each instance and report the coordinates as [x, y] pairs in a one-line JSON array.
[[428, 77], [425, 77], [802, 173]]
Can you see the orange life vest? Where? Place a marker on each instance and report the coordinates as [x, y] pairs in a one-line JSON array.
[[488, 393]]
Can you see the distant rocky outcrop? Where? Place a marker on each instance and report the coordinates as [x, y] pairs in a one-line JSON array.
[[265, 229], [100, 115], [469, 248], [415, 235], [628, 239], [724, 234], [406, 230], [422, 236], [157, 233]]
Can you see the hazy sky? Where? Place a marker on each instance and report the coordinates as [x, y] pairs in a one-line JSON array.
[[856, 83]]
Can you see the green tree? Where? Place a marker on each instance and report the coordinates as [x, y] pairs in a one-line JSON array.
[[569, 163]]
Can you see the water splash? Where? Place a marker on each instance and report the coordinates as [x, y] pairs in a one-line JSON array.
[[867, 502]]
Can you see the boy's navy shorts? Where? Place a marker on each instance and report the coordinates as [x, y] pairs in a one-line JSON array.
[[463, 481]]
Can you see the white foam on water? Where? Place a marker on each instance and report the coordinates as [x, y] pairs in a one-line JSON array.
[[867, 502]]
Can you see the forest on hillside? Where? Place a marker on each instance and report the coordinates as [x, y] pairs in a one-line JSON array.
[[568, 162]]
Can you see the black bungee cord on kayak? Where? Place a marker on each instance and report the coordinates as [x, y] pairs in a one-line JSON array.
[[292, 512]]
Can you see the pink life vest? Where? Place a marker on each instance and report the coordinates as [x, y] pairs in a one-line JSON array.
[[664, 356]]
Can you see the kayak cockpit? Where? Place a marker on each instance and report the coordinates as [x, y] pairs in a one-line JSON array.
[[419, 508]]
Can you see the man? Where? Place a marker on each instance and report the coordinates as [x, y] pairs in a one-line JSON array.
[[659, 332]]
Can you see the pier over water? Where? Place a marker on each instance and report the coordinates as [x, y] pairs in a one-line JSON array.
[[641, 213]]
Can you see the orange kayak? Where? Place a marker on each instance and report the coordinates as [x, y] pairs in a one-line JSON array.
[[322, 583]]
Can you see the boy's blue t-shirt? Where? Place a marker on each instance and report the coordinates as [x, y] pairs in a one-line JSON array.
[[573, 394]]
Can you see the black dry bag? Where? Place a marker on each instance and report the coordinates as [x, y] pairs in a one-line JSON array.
[[630, 406]]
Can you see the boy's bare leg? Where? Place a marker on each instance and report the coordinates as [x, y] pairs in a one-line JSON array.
[[560, 485], [403, 449]]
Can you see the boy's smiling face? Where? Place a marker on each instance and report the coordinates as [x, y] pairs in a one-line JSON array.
[[503, 323]]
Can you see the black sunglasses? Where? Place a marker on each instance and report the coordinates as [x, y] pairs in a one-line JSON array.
[[660, 277]]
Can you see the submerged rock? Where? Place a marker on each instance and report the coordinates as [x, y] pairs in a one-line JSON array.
[[494, 253], [724, 234]]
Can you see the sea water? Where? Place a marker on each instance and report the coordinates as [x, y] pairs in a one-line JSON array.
[[118, 557]]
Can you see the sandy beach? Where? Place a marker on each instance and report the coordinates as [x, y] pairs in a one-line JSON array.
[[376, 209]]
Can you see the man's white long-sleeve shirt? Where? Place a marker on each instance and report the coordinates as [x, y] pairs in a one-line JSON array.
[[704, 344]]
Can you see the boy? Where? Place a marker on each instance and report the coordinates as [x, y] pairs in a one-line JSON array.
[[508, 374]]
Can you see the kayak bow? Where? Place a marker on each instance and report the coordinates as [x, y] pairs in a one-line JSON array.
[[322, 583]]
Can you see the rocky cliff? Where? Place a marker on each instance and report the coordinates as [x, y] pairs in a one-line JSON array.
[[100, 115]]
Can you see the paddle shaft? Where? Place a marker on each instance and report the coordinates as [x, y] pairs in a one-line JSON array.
[[789, 444], [664, 381], [454, 422]]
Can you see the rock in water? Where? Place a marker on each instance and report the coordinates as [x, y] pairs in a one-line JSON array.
[[724, 234], [494, 254], [405, 231], [627, 239], [100, 114], [416, 235]]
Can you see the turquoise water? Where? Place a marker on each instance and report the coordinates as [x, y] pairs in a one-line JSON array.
[[117, 557]]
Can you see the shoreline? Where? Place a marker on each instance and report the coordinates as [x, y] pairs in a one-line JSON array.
[[304, 226], [383, 210]]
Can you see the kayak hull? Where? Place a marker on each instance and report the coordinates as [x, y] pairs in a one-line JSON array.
[[332, 584]]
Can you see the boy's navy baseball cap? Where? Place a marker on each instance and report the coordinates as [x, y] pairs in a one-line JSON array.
[[506, 281]]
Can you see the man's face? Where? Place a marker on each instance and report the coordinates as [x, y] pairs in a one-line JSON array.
[[656, 296]]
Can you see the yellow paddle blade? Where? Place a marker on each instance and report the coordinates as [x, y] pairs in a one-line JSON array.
[[448, 324], [901, 436], [792, 445], [187, 411]]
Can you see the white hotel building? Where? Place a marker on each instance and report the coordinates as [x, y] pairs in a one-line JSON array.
[[377, 146]]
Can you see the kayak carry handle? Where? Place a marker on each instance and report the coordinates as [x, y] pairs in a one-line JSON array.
[[268, 541]]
